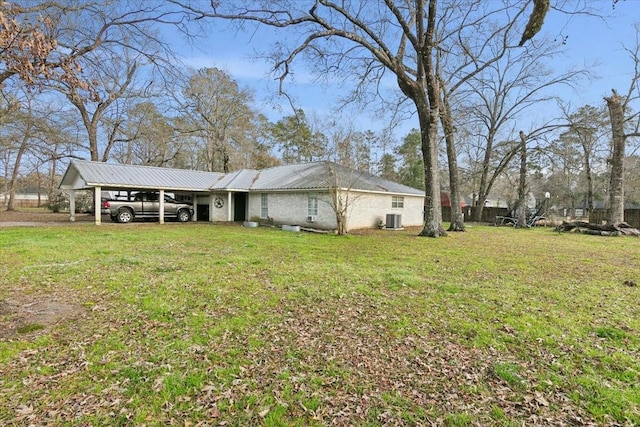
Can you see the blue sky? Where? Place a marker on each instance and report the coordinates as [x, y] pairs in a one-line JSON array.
[[601, 41], [589, 40]]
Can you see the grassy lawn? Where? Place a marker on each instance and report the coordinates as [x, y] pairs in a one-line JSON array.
[[197, 324]]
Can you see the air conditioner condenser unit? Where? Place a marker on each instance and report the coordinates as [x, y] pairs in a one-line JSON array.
[[394, 221]]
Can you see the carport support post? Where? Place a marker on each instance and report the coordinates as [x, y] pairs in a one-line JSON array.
[[210, 207], [161, 200], [72, 205], [229, 217], [194, 198], [97, 209]]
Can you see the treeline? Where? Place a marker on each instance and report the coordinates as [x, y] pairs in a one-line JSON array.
[[100, 81]]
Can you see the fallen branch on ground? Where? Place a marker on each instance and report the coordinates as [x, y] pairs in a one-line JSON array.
[[621, 229]]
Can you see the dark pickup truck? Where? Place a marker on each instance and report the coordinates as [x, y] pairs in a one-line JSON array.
[[146, 205]]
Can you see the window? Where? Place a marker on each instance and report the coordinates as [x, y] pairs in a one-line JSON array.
[[397, 202], [312, 205], [264, 205]]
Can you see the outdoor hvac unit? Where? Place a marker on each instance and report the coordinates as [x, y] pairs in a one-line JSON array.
[[311, 218], [394, 221]]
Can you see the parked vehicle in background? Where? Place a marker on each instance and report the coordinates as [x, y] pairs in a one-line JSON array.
[[104, 196], [146, 205]]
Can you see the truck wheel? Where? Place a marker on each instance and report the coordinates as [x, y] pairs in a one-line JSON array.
[[184, 215], [125, 215]]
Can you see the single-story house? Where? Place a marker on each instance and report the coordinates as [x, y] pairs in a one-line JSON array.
[[300, 194]]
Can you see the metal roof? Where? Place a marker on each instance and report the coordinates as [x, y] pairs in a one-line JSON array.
[[320, 175], [85, 174], [239, 180], [82, 174]]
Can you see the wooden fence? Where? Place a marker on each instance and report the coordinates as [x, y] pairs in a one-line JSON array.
[[597, 216], [631, 216], [488, 214]]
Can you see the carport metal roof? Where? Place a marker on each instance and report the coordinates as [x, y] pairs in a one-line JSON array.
[[82, 174]]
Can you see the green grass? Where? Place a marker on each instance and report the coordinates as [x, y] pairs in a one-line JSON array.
[[196, 323], [29, 328]]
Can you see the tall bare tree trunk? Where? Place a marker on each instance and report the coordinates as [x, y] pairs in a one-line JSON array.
[[483, 191], [14, 176], [457, 217], [589, 178], [522, 185], [478, 204], [432, 204], [429, 116], [339, 206], [51, 185], [616, 190]]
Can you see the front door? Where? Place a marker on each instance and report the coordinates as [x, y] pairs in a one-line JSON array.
[[240, 206]]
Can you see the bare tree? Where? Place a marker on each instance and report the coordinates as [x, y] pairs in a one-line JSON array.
[[340, 181], [632, 180], [345, 145], [446, 118], [499, 97], [31, 51], [116, 80], [585, 135], [522, 182], [20, 137], [148, 138], [29, 48], [564, 164], [130, 64], [615, 104], [100, 51], [33, 132], [622, 128], [406, 39], [539, 136], [219, 115]]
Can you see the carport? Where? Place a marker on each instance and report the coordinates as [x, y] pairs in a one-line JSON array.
[[98, 176]]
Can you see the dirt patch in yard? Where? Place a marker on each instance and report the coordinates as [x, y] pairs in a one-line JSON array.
[[24, 315], [41, 216]]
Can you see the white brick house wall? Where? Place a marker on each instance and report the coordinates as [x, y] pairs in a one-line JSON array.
[[366, 210], [292, 208]]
